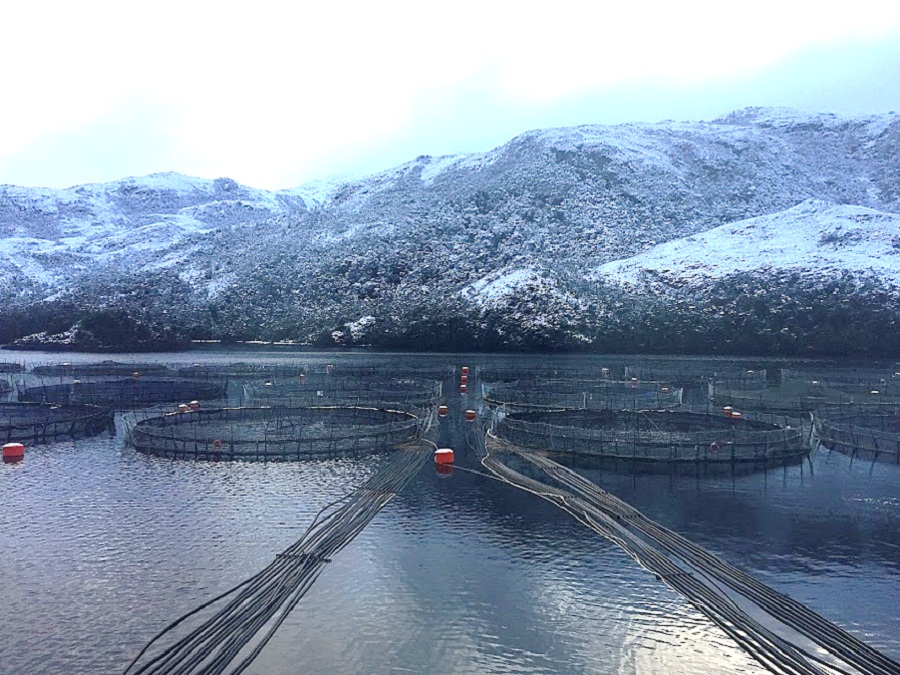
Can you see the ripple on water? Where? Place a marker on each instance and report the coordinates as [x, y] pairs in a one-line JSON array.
[[101, 547]]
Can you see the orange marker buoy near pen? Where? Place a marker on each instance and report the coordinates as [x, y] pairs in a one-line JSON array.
[[443, 456], [15, 452]]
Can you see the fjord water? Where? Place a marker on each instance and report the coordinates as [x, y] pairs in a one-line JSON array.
[[101, 547]]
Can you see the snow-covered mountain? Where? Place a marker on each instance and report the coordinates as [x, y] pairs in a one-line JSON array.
[[815, 238], [561, 237]]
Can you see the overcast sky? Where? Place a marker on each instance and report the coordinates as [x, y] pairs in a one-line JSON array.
[[277, 94]]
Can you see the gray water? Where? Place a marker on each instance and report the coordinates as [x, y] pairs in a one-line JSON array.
[[101, 547]]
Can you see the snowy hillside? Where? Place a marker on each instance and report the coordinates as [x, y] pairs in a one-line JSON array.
[[814, 238], [564, 238]]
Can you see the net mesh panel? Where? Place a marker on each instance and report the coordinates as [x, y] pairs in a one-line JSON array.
[[872, 430], [499, 374], [694, 374], [795, 397], [108, 368], [346, 391], [126, 393], [576, 395], [653, 435], [274, 434], [862, 381], [42, 423]]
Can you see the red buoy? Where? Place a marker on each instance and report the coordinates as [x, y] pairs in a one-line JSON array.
[[736, 415], [727, 410], [15, 452], [464, 370], [302, 377], [443, 456], [443, 410], [183, 408], [463, 389], [470, 415], [463, 379], [194, 405], [443, 469], [136, 375]]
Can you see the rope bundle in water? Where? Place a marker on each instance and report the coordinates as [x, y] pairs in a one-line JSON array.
[[268, 597]]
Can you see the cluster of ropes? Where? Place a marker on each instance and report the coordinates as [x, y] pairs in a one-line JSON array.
[[269, 596], [698, 576]]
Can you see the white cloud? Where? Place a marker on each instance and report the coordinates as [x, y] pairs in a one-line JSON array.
[[260, 92]]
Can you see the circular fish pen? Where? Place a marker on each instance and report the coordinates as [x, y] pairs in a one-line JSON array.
[[43, 422], [869, 431], [653, 435], [582, 395], [694, 373], [274, 434], [409, 392], [241, 371], [102, 369], [847, 381], [123, 394], [794, 398], [500, 374]]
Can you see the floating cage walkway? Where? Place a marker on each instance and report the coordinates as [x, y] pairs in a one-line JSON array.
[[654, 436], [274, 434], [43, 422]]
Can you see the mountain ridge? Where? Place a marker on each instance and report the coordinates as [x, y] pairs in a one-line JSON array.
[[500, 248]]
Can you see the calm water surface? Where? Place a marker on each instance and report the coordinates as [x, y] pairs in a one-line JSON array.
[[101, 547]]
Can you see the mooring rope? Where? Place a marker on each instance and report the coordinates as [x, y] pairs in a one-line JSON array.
[[638, 536], [270, 595]]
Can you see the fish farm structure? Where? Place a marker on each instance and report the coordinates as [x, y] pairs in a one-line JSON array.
[[332, 390], [869, 431], [102, 369], [123, 394], [580, 395], [274, 434], [653, 435], [44, 422]]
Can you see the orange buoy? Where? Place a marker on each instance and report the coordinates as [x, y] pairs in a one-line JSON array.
[[15, 452], [463, 389], [443, 410], [727, 410], [443, 456], [464, 370], [463, 379], [470, 415], [194, 405]]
